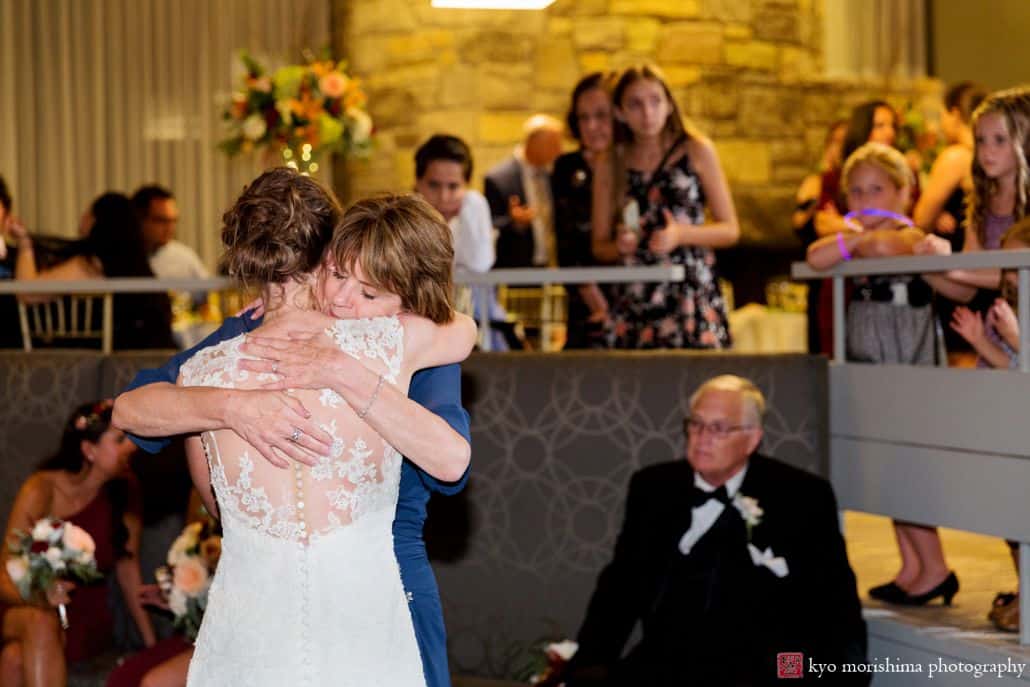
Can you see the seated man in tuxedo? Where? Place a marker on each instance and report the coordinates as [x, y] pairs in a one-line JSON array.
[[727, 558]]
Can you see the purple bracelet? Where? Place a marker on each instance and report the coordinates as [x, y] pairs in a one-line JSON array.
[[877, 212], [843, 247]]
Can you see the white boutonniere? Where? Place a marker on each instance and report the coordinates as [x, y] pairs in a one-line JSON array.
[[749, 510]]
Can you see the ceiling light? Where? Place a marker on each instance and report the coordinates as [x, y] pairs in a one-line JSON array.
[[492, 4]]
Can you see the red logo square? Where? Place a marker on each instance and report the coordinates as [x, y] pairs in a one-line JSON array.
[[790, 665]]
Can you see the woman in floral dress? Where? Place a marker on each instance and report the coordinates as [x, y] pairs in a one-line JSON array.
[[649, 209]]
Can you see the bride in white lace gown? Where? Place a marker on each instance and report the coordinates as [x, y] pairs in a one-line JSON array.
[[308, 590]]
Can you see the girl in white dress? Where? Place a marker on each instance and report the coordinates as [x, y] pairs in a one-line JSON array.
[[308, 590]]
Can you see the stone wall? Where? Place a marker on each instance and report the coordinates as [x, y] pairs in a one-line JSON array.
[[746, 72]]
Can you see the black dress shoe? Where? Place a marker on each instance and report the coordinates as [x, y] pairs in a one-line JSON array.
[[890, 593], [946, 590]]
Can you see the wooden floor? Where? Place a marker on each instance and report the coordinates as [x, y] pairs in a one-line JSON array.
[[983, 566]]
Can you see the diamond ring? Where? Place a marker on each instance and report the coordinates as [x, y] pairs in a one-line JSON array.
[[295, 437], [275, 367]]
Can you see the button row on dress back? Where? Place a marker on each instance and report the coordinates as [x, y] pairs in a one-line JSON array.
[[299, 475]]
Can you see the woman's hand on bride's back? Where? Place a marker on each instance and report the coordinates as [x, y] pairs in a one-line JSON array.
[[269, 420], [296, 362]]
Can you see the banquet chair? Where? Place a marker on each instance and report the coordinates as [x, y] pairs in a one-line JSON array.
[[68, 318]]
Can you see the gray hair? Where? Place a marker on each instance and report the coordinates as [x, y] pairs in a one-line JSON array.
[[745, 387]]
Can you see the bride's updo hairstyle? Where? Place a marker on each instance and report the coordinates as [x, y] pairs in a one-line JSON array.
[[403, 246], [278, 228]]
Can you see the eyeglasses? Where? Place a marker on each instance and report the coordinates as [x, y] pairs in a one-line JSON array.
[[718, 430]]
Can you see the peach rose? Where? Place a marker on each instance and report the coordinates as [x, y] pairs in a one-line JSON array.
[[190, 577], [78, 539], [333, 85]]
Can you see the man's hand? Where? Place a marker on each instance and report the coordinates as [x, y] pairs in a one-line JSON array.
[[521, 215], [267, 419], [297, 363]]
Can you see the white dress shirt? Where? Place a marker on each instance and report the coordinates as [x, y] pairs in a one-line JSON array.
[[176, 260], [704, 516], [473, 233]]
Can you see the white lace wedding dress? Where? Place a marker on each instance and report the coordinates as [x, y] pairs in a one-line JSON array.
[[308, 590]]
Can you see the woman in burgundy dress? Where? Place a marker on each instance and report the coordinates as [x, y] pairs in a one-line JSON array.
[[86, 482]]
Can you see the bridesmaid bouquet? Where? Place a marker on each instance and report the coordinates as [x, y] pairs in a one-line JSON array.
[[185, 581], [54, 550], [547, 663]]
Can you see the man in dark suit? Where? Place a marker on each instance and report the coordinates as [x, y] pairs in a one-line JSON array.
[[518, 190], [733, 562]]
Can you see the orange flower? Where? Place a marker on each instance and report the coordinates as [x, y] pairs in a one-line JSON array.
[[190, 576]]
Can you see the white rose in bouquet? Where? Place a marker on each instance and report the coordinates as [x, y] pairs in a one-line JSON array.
[[54, 558], [17, 568], [43, 530]]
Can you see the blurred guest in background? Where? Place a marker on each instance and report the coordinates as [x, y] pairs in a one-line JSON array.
[[519, 192], [87, 482], [803, 219], [113, 248], [443, 168], [649, 208], [589, 122], [942, 205], [159, 215]]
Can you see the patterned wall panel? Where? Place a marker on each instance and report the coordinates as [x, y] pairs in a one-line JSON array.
[[555, 440], [39, 390]]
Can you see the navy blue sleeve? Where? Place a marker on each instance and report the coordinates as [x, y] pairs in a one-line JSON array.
[[438, 389], [169, 372]]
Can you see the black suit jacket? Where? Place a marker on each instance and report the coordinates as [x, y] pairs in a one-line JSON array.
[[713, 617], [514, 243]]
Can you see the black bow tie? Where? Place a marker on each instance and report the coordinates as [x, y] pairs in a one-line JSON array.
[[699, 497]]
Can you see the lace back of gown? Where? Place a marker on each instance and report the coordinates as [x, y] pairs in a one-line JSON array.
[[308, 551]]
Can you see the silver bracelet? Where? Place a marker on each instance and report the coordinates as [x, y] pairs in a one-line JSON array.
[[375, 395]]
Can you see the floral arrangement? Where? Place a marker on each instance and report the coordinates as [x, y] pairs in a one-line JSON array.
[[299, 110], [547, 662], [185, 581], [54, 550]]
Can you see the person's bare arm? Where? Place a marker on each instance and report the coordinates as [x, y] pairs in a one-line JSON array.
[[723, 230], [885, 243], [130, 579], [438, 344], [265, 419], [825, 252], [939, 281], [948, 170], [312, 361]]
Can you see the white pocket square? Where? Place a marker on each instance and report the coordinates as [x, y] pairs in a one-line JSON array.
[[776, 564]]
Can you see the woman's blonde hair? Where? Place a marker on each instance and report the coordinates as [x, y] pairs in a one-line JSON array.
[[1014, 107], [884, 157], [403, 246]]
